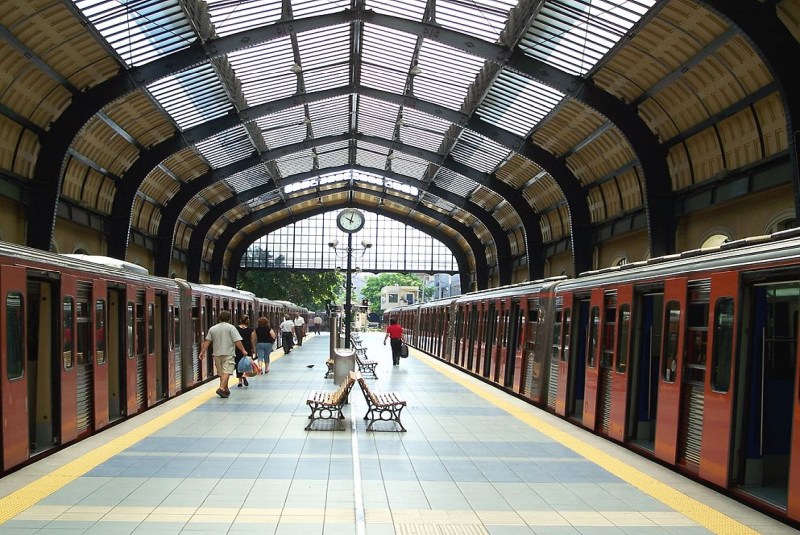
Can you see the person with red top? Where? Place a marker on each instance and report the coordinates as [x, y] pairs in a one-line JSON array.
[[395, 333]]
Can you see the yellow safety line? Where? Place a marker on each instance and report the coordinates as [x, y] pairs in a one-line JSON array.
[[31, 494], [704, 515]]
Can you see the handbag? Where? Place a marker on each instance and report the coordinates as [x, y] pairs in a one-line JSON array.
[[245, 366], [403, 351]]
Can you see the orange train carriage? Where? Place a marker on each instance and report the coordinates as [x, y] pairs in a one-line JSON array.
[[87, 341], [690, 359]]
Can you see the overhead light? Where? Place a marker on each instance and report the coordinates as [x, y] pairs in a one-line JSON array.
[[319, 200], [415, 70], [400, 122], [380, 203], [390, 156], [296, 68], [306, 120]]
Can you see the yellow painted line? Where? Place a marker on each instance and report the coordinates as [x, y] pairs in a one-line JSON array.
[[31, 494], [701, 513]]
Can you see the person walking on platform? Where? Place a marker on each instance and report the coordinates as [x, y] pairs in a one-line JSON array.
[[299, 328], [249, 342], [317, 324], [395, 334], [265, 338], [224, 339], [287, 333]]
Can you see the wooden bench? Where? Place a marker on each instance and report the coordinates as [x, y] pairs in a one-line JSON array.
[[328, 405], [364, 364], [384, 407]]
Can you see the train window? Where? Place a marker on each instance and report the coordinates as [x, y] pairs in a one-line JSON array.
[[609, 327], [15, 335], [68, 317], [594, 328], [695, 366], [100, 330], [151, 329], [672, 325], [622, 339], [139, 345], [129, 329], [176, 321], [83, 334], [567, 330], [722, 354]]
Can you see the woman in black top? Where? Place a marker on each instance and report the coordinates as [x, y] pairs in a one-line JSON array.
[[248, 341], [265, 337]]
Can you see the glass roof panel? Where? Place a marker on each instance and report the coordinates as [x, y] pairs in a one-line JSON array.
[[574, 35], [283, 128], [484, 19], [140, 31], [370, 155], [399, 186], [407, 9], [377, 117], [386, 56], [308, 8], [226, 147], [439, 202], [479, 152], [517, 104], [446, 74], [422, 130], [332, 154], [325, 57], [408, 165], [192, 97], [264, 200], [231, 17], [330, 117], [455, 182], [297, 162], [270, 62], [249, 178]]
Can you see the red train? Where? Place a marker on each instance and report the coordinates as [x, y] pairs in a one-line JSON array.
[[87, 341], [690, 359]]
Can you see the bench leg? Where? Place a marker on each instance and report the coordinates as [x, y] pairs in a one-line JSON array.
[[387, 413], [325, 412]]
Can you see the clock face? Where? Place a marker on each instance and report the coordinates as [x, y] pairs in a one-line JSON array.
[[350, 220]]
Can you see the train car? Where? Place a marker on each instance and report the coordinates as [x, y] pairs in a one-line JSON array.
[[87, 341], [690, 359]]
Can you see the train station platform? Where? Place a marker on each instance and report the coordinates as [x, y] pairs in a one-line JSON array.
[[474, 461]]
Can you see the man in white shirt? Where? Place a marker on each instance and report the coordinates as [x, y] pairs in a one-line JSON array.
[[224, 339], [299, 328], [287, 333], [317, 324]]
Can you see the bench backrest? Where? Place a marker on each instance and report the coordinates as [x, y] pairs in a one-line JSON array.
[[365, 389], [344, 389]]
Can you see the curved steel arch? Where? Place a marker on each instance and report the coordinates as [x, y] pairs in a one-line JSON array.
[[503, 246], [67, 126], [150, 158], [478, 249]]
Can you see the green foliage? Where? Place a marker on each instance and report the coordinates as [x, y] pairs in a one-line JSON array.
[[309, 289], [372, 290]]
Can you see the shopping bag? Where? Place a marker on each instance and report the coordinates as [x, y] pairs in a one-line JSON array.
[[404, 351], [245, 366], [256, 369]]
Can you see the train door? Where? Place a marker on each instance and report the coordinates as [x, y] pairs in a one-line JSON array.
[[643, 399], [43, 367], [690, 427], [176, 344], [14, 388], [69, 382], [533, 363], [197, 340], [131, 364], [767, 393], [514, 357], [471, 336], [620, 378], [209, 317], [489, 339], [594, 356], [140, 348], [160, 323], [84, 359], [116, 356], [101, 377], [564, 352], [577, 362], [554, 353], [498, 360], [605, 371], [669, 390]]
